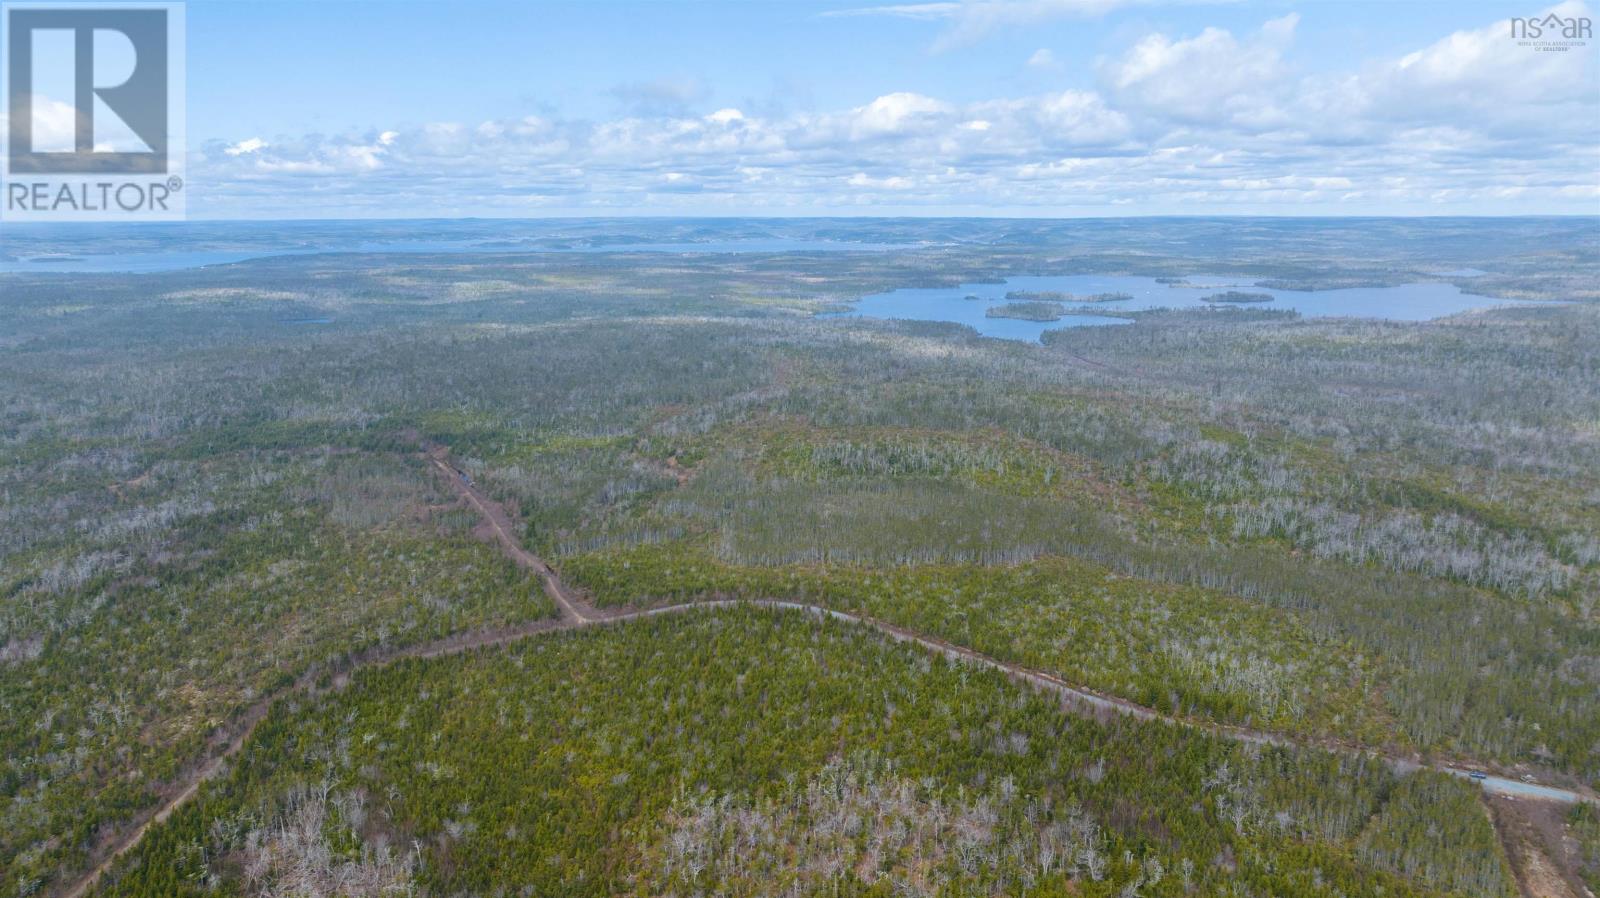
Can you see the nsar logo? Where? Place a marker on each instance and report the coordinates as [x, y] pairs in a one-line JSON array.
[[1552, 33]]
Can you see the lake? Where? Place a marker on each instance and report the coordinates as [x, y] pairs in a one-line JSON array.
[[1408, 302]]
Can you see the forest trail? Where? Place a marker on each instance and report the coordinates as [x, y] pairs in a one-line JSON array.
[[500, 527], [576, 612], [1543, 857], [577, 609], [238, 732]]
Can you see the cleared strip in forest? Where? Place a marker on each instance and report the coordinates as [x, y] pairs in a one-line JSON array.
[[500, 525]]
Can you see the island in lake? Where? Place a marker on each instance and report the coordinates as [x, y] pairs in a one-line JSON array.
[[1238, 296], [1031, 310], [1058, 296]]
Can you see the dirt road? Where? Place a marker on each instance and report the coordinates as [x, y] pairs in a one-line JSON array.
[[1544, 858], [502, 530], [576, 612]]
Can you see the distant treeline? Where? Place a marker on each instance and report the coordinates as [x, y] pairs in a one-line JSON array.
[[1028, 311]]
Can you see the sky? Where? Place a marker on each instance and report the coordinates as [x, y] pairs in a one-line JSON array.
[[951, 107]]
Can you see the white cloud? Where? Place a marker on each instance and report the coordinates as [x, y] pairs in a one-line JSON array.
[[898, 113], [55, 124], [1068, 118], [1207, 121], [863, 180], [973, 20], [1206, 78], [923, 11], [1480, 73], [246, 147], [294, 167], [1042, 58]]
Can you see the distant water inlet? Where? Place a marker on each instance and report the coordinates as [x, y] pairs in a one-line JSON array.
[[1095, 300], [178, 259]]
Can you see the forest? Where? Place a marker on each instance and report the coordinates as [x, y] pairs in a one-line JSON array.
[[217, 525], [752, 753]]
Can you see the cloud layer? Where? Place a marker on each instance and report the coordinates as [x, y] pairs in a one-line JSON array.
[[1211, 121]]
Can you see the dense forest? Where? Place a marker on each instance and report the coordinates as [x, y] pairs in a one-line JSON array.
[[753, 753]]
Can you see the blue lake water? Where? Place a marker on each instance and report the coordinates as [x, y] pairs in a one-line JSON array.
[[740, 245], [130, 263], [1408, 302], [178, 259]]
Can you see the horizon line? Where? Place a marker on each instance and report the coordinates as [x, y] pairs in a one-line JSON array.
[[4, 224]]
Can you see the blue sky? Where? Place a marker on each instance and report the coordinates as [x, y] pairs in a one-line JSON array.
[[1031, 107]]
